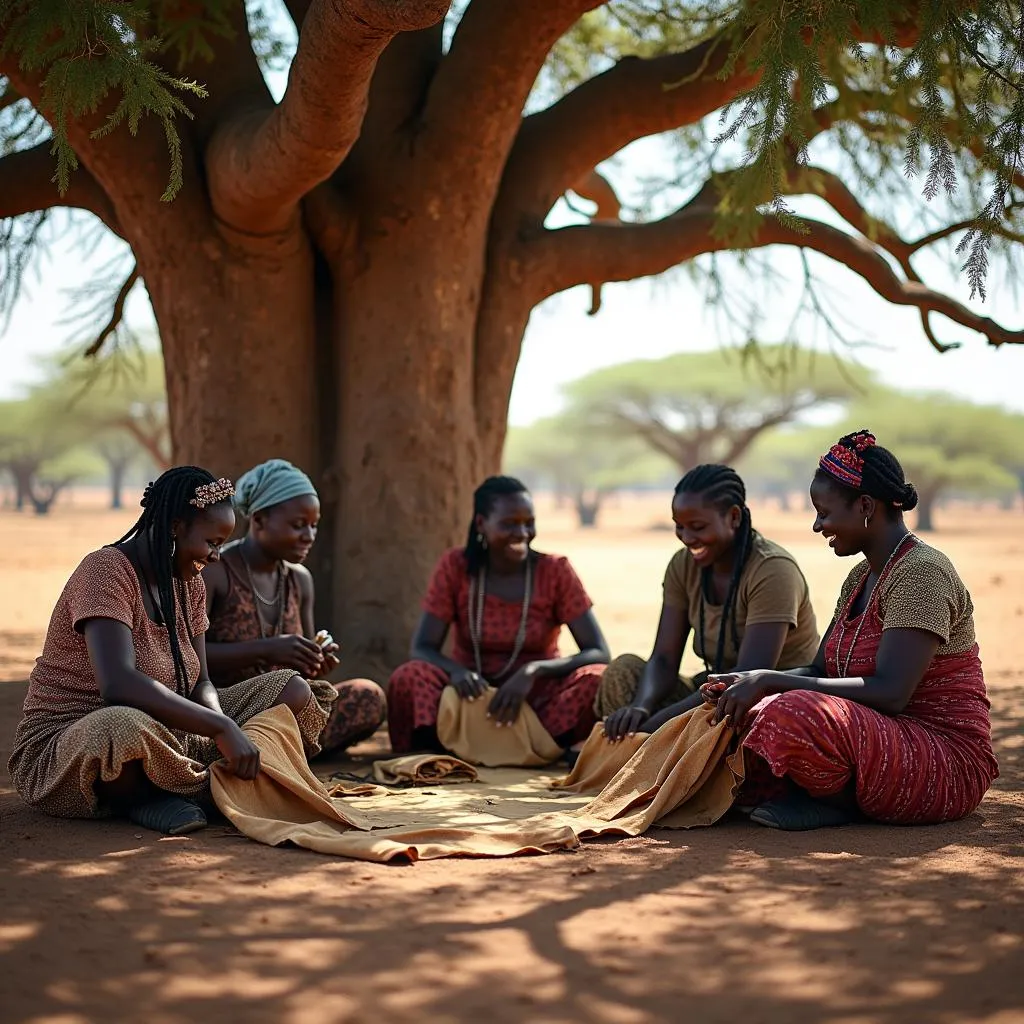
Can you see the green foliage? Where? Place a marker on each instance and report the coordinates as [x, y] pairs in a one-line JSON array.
[[99, 54], [945, 444]]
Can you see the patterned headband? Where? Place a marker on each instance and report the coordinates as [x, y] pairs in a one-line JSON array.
[[844, 462], [210, 494]]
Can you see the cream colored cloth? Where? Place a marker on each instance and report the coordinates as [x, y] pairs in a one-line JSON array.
[[464, 728], [599, 762], [424, 770], [683, 776]]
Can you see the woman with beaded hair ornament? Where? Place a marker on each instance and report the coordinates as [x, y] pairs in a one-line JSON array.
[[261, 601], [891, 720], [505, 605], [121, 717]]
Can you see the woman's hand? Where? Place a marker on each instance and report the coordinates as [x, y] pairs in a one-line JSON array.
[[468, 684], [329, 652], [240, 753], [625, 722], [508, 701], [296, 652], [739, 692]]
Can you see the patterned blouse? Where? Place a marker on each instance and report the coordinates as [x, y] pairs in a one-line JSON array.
[[558, 598], [106, 586], [235, 617]]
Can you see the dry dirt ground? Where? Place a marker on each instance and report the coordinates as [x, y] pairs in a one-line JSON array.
[[100, 922]]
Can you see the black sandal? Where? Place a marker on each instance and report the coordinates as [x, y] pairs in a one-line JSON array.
[[171, 815], [800, 812]]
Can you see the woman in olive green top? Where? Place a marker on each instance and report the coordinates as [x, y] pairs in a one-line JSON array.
[[743, 596]]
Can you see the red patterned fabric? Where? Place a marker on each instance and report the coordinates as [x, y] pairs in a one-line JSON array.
[[564, 705], [558, 598], [931, 763]]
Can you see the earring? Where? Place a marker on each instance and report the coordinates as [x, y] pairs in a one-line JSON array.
[[482, 541], [174, 546], [866, 521]]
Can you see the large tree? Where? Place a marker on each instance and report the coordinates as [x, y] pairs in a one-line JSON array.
[[344, 276]]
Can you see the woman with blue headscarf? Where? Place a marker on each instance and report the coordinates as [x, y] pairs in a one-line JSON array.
[[260, 600]]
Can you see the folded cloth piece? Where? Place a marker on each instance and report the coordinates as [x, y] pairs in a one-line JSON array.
[[287, 803], [423, 770], [599, 762], [464, 728], [337, 790]]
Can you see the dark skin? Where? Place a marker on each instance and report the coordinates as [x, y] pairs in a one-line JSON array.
[[709, 534], [903, 654], [282, 533], [509, 530], [112, 656]]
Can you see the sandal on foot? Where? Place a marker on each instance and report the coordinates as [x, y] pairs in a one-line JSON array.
[[800, 812], [172, 815]]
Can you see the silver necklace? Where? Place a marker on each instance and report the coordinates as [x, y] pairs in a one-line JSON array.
[[864, 614], [276, 603], [477, 594]]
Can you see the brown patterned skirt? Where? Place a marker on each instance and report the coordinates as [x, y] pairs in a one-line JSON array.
[[58, 758]]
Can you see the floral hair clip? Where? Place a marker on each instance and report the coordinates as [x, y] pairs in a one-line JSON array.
[[210, 494]]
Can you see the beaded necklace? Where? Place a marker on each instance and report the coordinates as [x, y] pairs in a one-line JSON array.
[[841, 625], [477, 594]]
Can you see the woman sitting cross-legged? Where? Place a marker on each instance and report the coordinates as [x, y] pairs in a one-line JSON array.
[[506, 604], [891, 720], [120, 716], [260, 599], [743, 596]]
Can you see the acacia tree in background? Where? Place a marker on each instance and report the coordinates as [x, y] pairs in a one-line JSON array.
[[344, 277], [709, 406], [945, 445]]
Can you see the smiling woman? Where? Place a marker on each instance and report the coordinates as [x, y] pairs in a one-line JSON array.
[[506, 604], [890, 720], [743, 596], [260, 599], [120, 715]]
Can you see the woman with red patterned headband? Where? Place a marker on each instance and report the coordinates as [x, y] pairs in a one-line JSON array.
[[891, 722]]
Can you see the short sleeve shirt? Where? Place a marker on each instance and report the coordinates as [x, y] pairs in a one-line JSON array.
[[105, 586], [558, 598], [771, 589], [921, 590]]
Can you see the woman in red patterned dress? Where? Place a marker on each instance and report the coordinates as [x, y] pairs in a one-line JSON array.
[[891, 723], [505, 604]]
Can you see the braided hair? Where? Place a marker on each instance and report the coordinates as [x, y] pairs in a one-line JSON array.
[[163, 501], [722, 488], [882, 476], [485, 497]]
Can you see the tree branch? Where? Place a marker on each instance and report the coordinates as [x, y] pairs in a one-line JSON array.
[[116, 314], [620, 252], [636, 98], [260, 164], [476, 102], [26, 185]]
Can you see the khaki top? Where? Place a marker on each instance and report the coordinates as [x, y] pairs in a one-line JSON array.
[[105, 586], [771, 589], [921, 590]]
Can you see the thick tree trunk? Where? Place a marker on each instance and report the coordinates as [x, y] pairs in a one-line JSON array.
[[408, 447]]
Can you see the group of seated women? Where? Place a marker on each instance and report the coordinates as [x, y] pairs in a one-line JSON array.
[[164, 643]]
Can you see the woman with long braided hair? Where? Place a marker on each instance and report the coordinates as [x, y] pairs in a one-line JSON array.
[[505, 604], [743, 596], [121, 716], [890, 720]]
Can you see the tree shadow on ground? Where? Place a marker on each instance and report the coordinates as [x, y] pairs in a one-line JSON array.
[[867, 923]]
